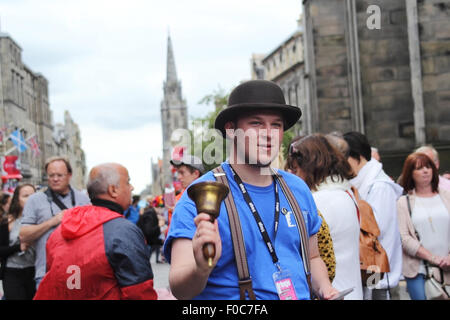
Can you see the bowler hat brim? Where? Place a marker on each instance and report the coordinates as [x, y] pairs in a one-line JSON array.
[[290, 114]]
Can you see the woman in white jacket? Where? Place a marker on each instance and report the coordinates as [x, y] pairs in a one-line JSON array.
[[326, 172]]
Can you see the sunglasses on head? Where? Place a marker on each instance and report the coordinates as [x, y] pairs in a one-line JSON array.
[[295, 154], [292, 149]]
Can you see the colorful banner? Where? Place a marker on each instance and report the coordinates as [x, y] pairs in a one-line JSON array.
[[10, 167]]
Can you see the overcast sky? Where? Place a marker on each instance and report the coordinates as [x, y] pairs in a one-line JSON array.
[[106, 62]]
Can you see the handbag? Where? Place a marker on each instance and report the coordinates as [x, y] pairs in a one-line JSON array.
[[435, 289], [374, 261]]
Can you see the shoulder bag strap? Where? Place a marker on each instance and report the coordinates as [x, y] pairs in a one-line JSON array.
[[356, 195], [410, 215], [304, 237], [245, 280], [52, 197]]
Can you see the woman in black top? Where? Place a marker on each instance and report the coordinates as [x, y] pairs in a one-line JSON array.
[[17, 259]]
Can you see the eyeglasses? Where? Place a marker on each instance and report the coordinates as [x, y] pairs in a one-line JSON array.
[[57, 175]]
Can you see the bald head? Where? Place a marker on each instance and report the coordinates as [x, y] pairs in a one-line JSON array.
[[110, 181]]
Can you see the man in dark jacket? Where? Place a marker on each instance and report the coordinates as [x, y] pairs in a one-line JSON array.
[[95, 253], [149, 224]]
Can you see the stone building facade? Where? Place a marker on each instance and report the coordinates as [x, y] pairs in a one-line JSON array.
[[24, 105], [381, 67], [67, 139], [285, 66]]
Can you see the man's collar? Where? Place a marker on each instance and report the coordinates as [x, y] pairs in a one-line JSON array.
[[63, 195], [107, 204]]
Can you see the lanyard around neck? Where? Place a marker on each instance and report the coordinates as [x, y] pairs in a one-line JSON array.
[[257, 217]]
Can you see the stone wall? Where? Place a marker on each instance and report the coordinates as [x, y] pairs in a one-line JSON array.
[[25, 106], [384, 73], [385, 77], [330, 75]]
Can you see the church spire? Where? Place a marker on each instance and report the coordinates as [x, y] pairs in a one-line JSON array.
[[171, 69]]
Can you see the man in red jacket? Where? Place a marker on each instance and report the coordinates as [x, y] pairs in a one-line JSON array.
[[95, 253]]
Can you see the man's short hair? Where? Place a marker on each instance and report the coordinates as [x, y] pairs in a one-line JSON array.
[[136, 199], [358, 145], [58, 158], [107, 175]]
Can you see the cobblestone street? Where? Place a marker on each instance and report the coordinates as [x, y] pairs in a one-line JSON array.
[[160, 275]]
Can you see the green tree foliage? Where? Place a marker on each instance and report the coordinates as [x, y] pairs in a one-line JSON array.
[[202, 125]]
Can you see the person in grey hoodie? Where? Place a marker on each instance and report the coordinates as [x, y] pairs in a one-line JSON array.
[[381, 192]]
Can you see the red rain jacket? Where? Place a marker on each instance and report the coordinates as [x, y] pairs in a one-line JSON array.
[[95, 254]]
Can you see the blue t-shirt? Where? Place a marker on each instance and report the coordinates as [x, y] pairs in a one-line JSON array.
[[223, 281]]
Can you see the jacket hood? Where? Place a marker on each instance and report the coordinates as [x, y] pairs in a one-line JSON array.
[[373, 172], [80, 220]]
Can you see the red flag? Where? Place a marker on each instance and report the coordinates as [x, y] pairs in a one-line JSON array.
[[34, 146]]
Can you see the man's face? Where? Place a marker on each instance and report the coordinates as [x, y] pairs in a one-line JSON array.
[[58, 176], [186, 176], [124, 189], [261, 139]]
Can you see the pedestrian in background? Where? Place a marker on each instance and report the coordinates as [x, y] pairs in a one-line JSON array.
[[327, 173], [149, 224], [424, 221], [16, 258], [132, 212], [43, 211], [378, 189], [95, 253], [431, 152], [5, 202]]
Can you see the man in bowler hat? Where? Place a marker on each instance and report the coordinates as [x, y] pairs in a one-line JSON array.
[[254, 121]]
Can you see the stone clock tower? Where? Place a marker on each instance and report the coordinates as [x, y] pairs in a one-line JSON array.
[[173, 111]]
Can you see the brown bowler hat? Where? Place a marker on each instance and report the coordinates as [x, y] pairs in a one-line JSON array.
[[257, 95]]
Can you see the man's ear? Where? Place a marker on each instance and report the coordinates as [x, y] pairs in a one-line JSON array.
[[112, 191]]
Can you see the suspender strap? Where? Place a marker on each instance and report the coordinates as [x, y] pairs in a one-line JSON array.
[[304, 237], [245, 281]]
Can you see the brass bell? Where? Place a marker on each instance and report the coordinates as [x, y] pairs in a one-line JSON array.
[[208, 197]]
